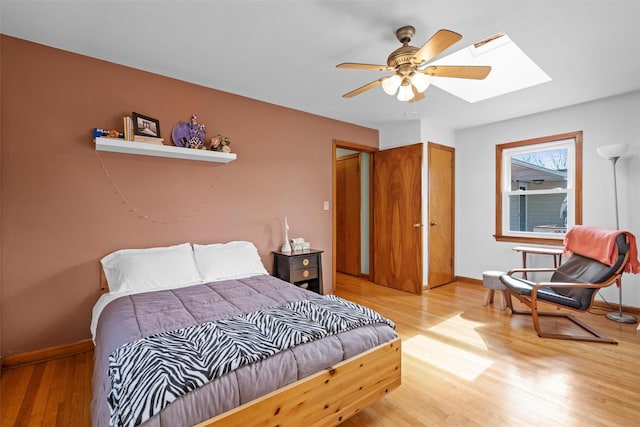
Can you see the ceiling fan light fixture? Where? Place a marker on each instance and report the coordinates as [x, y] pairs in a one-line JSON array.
[[405, 93], [412, 72], [420, 81], [391, 84]]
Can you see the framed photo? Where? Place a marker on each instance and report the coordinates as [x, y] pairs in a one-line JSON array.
[[145, 126]]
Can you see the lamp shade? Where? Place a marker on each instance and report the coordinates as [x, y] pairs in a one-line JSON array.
[[391, 84], [405, 93], [420, 81], [612, 151]]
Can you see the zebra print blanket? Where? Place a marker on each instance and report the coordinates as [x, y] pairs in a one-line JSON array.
[[152, 372]]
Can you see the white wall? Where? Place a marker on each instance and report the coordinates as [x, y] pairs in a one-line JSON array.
[[397, 135], [606, 121], [433, 132]]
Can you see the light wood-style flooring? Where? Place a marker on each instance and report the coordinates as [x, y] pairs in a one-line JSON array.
[[54, 393], [464, 364]]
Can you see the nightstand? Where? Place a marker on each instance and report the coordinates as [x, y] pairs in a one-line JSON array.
[[302, 268]]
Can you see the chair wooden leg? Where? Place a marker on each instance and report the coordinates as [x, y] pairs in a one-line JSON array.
[[536, 320], [595, 335], [535, 315]]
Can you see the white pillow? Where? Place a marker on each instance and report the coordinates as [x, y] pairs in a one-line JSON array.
[[223, 261], [152, 269]]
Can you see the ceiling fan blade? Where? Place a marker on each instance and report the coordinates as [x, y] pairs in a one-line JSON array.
[[364, 66], [417, 96], [440, 41], [363, 88], [478, 72]]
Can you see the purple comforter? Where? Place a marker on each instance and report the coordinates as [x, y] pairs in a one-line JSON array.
[[136, 316]]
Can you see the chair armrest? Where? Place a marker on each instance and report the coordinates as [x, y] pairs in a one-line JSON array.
[[564, 285], [529, 270], [604, 284]]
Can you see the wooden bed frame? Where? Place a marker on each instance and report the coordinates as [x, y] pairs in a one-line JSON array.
[[325, 398]]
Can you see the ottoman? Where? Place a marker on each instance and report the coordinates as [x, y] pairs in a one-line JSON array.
[[491, 281]]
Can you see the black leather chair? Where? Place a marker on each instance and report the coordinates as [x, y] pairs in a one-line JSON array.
[[573, 285]]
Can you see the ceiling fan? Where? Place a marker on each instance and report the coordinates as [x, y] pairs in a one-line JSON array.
[[412, 74]]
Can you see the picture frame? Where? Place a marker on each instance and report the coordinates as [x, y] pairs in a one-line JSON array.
[[145, 126]]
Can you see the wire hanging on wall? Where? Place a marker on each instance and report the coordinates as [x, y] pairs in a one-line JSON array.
[[146, 216]]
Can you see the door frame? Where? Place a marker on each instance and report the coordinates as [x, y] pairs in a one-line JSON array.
[[364, 149]]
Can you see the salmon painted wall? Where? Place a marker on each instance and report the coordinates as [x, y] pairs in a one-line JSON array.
[[64, 205]]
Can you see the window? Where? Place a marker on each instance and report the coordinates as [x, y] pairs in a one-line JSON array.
[[538, 188], [511, 69]]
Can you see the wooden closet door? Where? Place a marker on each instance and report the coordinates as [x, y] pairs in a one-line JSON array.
[[397, 218], [348, 201], [441, 214]]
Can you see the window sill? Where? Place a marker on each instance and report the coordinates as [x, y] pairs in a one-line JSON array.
[[530, 240]]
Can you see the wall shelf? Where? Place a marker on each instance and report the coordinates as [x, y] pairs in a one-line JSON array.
[[142, 148]]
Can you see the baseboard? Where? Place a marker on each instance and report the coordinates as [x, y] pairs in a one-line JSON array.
[[615, 307], [45, 354], [468, 280]]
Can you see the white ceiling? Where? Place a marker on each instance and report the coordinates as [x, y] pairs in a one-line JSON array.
[[285, 52]]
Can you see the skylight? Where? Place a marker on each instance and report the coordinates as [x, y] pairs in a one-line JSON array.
[[511, 70]]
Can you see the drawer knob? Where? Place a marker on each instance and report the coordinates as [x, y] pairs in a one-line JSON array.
[[305, 273], [305, 262]]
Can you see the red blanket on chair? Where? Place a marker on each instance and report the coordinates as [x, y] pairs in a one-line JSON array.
[[599, 244]]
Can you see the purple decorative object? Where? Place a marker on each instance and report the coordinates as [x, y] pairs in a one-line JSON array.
[[189, 135]]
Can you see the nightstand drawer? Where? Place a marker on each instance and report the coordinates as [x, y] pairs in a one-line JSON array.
[[303, 262], [305, 274]]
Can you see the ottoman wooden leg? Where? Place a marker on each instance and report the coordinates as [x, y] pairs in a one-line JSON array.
[[503, 300], [488, 297]]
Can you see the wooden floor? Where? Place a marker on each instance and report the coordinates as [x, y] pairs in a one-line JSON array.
[[464, 364], [54, 393]]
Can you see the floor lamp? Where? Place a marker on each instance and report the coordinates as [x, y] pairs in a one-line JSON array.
[[613, 153]]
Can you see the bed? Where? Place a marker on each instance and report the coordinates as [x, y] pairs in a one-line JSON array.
[[221, 342]]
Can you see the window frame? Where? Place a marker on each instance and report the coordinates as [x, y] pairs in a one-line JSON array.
[[501, 236]]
